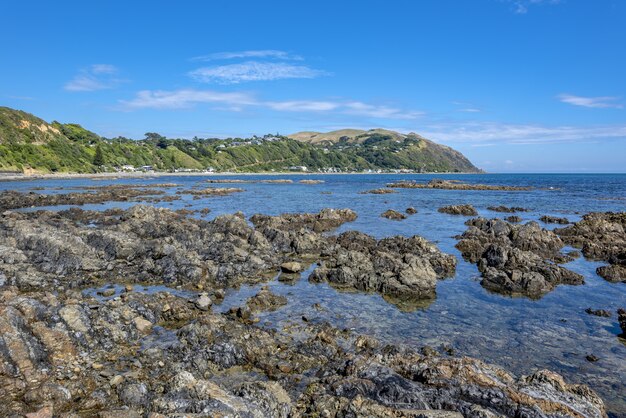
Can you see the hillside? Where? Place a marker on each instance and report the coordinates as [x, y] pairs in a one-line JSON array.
[[31, 145], [390, 150]]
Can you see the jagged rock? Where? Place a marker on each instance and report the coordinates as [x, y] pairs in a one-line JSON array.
[[403, 268], [393, 215], [411, 210], [598, 312], [554, 220], [516, 259], [507, 209], [513, 219], [601, 236], [265, 300], [467, 210], [300, 232], [621, 317]]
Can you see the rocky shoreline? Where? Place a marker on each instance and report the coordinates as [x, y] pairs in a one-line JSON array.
[[68, 352]]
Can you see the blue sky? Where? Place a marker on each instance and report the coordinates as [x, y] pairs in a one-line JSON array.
[[516, 85]]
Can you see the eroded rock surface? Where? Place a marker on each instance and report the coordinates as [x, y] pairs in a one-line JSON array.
[[466, 210], [516, 259], [393, 215], [601, 236], [398, 267], [65, 353]]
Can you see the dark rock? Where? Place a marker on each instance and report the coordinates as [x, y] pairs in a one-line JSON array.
[[601, 236], [515, 259], [598, 312], [467, 210], [621, 317], [399, 267], [554, 220], [411, 210], [513, 219], [393, 215], [453, 185], [507, 209]]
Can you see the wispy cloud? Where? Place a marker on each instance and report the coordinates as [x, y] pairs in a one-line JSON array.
[[95, 77], [179, 99], [522, 6], [237, 101], [597, 102], [498, 133], [253, 71], [470, 110], [262, 53]]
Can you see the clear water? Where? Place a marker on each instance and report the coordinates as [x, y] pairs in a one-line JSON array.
[[517, 333]]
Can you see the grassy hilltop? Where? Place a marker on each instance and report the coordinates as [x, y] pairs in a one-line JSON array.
[[32, 145]]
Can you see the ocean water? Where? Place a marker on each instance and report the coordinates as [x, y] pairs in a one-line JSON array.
[[519, 334]]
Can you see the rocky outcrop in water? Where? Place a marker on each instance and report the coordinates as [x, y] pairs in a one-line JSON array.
[[621, 317], [11, 199], [601, 236], [554, 220], [379, 191], [453, 185], [516, 259], [507, 209], [466, 210], [300, 233], [393, 215], [398, 267]]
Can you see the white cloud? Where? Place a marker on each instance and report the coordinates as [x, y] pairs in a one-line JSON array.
[[263, 53], [253, 71], [380, 112], [95, 77], [494, 133], [597, 102], [470, 110], [159, 99], [237, 101]]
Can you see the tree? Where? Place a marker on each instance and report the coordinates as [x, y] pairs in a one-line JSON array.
[[98, 158]]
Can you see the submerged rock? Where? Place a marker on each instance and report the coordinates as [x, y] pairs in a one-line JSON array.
[[516, 259], [411, 210], [467, 210]]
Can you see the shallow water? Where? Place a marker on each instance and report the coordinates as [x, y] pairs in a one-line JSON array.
[[519, 334]]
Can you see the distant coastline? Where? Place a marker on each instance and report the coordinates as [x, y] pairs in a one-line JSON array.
[[152, 174]]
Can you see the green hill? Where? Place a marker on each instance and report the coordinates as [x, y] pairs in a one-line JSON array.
[[31, 145]]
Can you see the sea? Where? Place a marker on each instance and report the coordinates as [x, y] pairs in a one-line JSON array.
[[517, 333]]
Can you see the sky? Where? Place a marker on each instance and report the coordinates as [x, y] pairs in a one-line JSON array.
[[516, 85]]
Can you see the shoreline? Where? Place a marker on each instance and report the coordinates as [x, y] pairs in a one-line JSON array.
[[151, 174]]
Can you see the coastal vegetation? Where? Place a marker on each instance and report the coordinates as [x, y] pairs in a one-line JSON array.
[[30, 145]]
